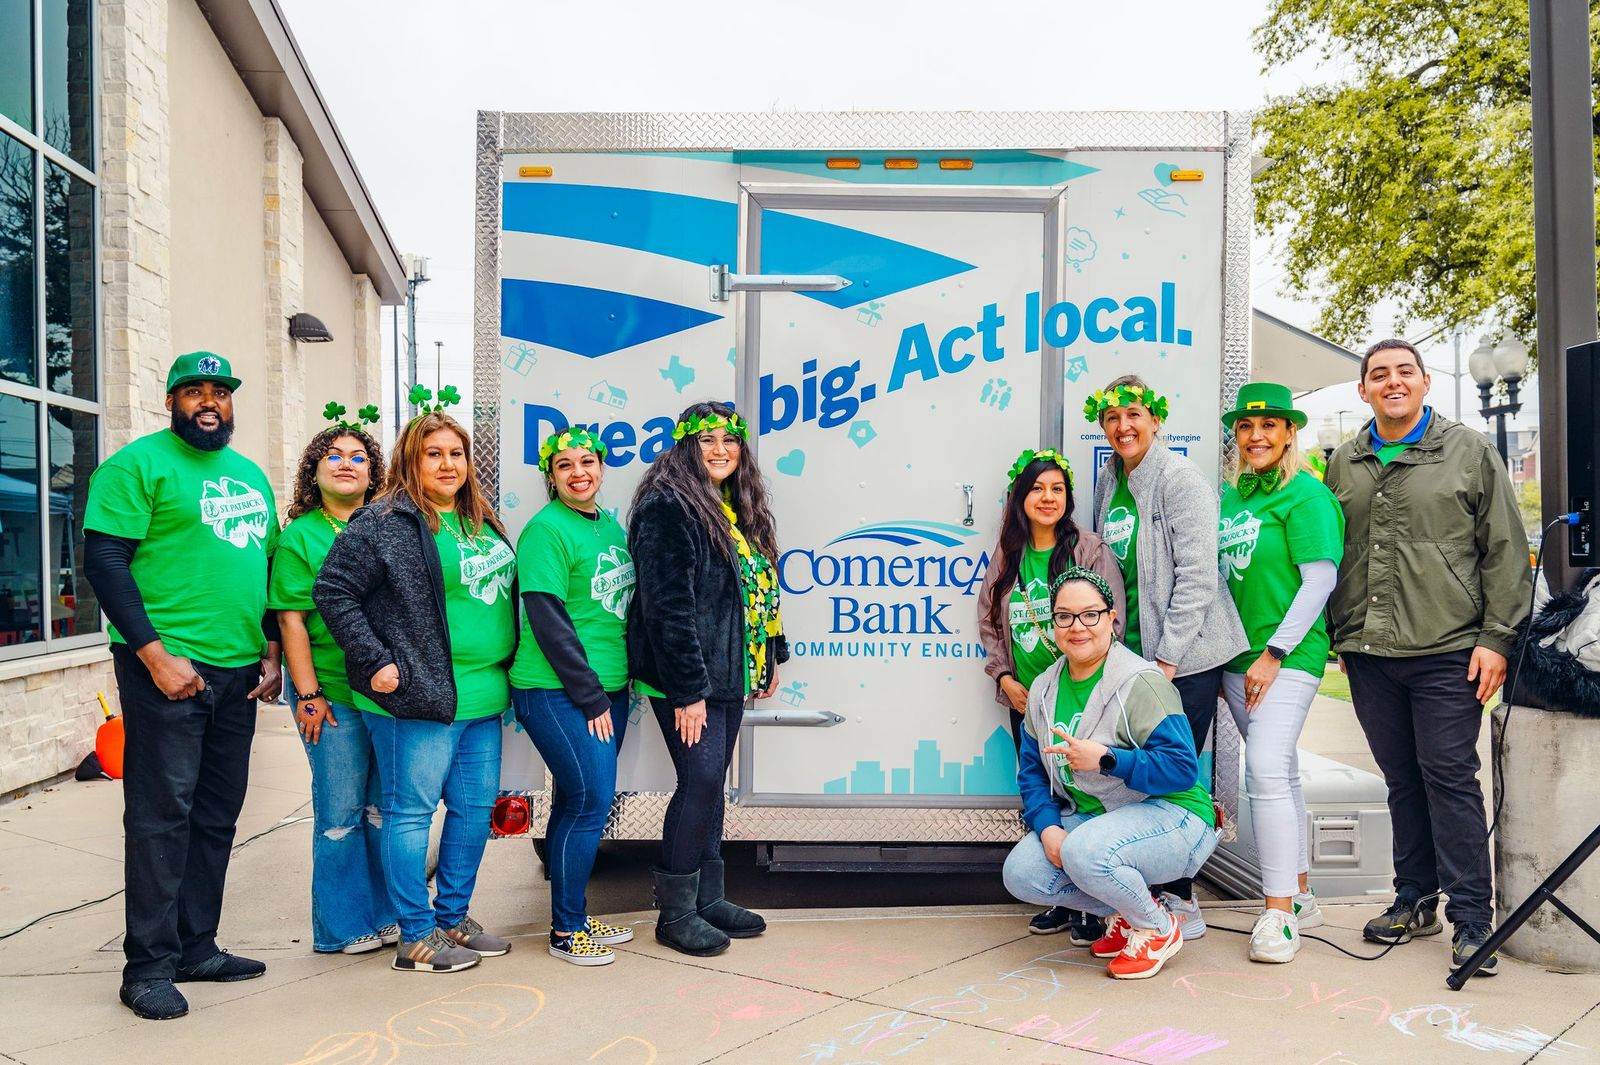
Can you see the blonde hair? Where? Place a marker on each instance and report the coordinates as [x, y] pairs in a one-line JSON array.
[[1289, 463], [405, 476]]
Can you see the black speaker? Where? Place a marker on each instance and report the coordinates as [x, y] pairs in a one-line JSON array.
[[1583, 451]]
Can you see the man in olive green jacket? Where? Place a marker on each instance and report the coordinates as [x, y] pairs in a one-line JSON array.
[[1433, 585]]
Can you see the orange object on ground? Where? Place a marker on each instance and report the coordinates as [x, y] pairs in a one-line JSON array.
[[108, 741]]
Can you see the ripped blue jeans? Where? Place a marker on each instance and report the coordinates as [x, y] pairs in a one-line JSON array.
[[349, 893]]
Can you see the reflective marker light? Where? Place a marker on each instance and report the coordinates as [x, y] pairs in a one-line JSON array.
[[899, 164], [955, 164], [535, 171], [1188, 175], [510, 816], [844, 164]]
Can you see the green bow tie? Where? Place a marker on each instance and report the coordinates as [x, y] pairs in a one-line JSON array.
[[1266, 482]]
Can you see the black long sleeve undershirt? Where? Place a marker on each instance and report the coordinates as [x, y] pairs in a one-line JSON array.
[[558, 639]]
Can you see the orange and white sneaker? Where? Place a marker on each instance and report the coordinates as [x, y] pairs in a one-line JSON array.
[[1147, 951], [1116, 937]]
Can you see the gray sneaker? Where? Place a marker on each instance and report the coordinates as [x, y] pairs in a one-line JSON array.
[[470, 934], [434, 953]]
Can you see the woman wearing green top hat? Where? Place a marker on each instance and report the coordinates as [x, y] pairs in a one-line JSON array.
[[570, 678], [341, 470], [1280, 541], [1039, 540]]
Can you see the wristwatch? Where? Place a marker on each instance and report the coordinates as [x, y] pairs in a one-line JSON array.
[[1277, 652], [1108, 762]]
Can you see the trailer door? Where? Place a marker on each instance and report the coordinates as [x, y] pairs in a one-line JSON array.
[[890, 412]]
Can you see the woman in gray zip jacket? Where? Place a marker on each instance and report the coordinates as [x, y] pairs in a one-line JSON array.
[[1158, 513]]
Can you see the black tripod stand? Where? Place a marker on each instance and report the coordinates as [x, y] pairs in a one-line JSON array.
[[1545, 892]]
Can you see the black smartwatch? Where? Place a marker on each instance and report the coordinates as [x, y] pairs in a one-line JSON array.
[[1108, 762], [1278, 653]]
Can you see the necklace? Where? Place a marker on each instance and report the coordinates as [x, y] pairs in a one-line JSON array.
[[1044, 636], [469, 542], [338, 526]]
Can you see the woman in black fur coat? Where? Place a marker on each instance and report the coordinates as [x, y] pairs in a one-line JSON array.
[[704, 635]]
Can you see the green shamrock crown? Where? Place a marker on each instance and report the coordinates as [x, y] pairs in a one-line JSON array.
[[696, 424], [557, 442], [1030, 456], [1078, 573], [334, 413], [1122, 396], [420, 394]]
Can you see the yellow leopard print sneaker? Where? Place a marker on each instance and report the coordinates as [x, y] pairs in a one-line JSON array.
[[601, 932], [579, 949]]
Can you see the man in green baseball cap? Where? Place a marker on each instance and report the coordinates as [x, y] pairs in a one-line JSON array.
[[179, 531]]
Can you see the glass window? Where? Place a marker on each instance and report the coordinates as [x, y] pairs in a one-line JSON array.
[[16, 61], [74, 450], [16, 261], [21, 590], [68, 79], [68, 283]]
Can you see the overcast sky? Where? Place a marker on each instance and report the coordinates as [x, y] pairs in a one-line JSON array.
[[405, 78]]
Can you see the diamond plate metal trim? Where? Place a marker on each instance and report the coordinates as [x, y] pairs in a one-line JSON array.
[[486, 308], [845, 130]]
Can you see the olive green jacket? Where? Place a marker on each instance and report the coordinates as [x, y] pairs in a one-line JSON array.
[[1435, 554]]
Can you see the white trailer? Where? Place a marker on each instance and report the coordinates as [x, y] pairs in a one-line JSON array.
[[1000, 267]]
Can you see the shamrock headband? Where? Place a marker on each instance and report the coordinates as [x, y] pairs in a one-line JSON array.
[[1089, 576], [577, 436], [1030, 456], [696, 424], [366, 416], [1123, 396], [421, 394]]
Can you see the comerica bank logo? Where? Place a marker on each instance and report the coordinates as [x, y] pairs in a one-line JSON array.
[[888, 579]]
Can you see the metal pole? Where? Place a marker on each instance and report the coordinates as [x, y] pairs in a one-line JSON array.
[[1564, 234], [1455, 338], [438, 365], [1500, 438], [398, 417], [411, 335]]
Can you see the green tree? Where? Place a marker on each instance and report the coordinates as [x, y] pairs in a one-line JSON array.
[[1528, 502], [1410, 177]]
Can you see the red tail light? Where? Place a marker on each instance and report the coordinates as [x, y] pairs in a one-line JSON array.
[[510, 816]]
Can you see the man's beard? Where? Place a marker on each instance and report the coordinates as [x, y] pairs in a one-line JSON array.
[[205, 439]]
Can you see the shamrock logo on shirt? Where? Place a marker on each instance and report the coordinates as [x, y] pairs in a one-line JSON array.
[[1120, 522], [1236, 542], [487, 574], [1030, 614], [235, 511], [612, 584], [1063, 770]]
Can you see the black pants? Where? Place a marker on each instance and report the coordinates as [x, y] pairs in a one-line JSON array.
[[1199, 693], [1422, 719], [692, 831], [185, 770]]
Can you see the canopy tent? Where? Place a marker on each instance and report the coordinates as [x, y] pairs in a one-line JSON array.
[[1292, 356], [19, 495]]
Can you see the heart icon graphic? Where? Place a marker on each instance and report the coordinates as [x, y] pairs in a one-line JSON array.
[[1164, 173], [793, 464]]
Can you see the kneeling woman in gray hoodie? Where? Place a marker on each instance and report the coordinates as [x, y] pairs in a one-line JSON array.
[[1112, 795]]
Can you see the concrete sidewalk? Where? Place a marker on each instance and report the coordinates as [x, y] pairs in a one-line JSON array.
[[959, 983]]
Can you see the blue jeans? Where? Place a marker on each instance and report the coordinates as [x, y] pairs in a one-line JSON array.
[[349, 894], [421, 762], [585, 775], [1110, 860]]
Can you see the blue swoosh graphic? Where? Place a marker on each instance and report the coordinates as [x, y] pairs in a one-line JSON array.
[[703, 231], [588, 321], [907, 533]]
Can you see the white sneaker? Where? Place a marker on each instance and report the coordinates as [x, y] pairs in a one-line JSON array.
[[1275, 938], [1306, 910], [362, 945], [1187, 912]]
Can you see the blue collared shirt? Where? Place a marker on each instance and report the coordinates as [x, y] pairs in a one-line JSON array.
[[1413, 437]]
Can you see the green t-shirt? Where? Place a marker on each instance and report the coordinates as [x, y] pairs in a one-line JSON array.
[[585, 563], [481, 617], [1121, 534], [302, 548], [206, 524], [1033, 646], [1262, 540], [1389, 452], [1072, 696]]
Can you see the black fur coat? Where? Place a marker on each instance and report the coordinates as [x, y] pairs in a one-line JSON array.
[[1550, 677]]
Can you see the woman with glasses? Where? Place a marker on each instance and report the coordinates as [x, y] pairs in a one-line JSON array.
[[1039, 540], [1110, 788], [704, 635], [351, 912]]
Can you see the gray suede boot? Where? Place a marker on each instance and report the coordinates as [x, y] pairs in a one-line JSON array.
[[680, 926], [718, 912]]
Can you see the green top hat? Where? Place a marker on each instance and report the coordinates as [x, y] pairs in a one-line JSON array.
[[1259, 398], [201, 366]]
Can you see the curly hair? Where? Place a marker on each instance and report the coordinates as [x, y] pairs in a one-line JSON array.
[[307, 496], [680, 471]]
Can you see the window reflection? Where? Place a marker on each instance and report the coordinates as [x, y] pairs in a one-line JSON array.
[[68, 283], [68, 84], [16, 62], [16, 261], [74, 451], [22, 591]]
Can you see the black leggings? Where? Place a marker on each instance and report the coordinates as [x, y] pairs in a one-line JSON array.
[[692, 831]]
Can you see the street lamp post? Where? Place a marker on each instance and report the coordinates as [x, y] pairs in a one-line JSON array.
[[1489, 364]]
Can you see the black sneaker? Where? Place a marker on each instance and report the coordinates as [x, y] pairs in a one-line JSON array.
[[221, 968], [1086, 929], [154, 1000], [1468, 938], [1055, 919], [1397, 925]]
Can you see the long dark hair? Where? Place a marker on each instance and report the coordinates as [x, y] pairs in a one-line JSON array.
[[405, 476], [307, 496], [680, 471], [1015, 531]]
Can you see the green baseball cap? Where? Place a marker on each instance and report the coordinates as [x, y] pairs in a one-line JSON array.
[[1260, 398], [201, 366]]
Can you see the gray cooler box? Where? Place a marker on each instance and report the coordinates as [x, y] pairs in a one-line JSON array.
[[1350, 839]]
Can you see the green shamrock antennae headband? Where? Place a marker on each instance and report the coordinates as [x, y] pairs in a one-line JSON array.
[[577, 436], [1030, 456], [1089, 576], [696, 424], [334, 413], [1123, 396], [421, 394]]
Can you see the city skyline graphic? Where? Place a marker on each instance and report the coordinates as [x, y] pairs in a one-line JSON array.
[[994, 772]]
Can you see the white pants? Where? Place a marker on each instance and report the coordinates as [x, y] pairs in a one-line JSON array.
[[1272, 774]]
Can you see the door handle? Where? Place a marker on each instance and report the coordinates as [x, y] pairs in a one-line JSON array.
[[966, 491], [792, 718]]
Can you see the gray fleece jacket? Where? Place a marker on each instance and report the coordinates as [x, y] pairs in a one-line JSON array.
[[1186, 615]]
